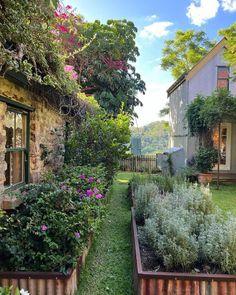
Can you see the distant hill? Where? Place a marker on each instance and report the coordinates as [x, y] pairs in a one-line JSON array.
[[154, 137]]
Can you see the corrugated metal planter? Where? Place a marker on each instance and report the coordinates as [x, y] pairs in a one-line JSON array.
[[46, 283], [172, 283]]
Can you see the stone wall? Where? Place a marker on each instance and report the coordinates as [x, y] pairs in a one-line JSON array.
[[46, 132]]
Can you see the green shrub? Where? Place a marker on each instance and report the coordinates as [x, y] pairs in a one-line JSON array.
[[185, 229], [206, 158], [172, 240], [144, 195], [217, 243], [99, 139], [50, 228], [165, 183]]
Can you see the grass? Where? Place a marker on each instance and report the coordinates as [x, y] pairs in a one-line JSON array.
[[225, 197], [109, 264]]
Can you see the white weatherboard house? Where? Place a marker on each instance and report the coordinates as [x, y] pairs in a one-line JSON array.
[[209, 74]]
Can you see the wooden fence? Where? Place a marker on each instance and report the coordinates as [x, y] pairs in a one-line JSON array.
[[143, 163]]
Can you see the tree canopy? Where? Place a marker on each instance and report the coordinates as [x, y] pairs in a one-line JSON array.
[[184, 51], [102, 57], [58, 48], [230, 53]]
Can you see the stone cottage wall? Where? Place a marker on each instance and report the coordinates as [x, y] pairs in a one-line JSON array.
[[46, 132]]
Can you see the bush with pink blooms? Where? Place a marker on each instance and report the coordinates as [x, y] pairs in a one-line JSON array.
[[51, 227]]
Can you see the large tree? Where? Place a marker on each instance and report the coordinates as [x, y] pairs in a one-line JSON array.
[[102, 56], [184, 51], [230, 53]]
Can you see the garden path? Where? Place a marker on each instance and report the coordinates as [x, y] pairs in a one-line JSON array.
[[108, 268]]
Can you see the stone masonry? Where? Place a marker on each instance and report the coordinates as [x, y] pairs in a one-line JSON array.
[[46, 132]]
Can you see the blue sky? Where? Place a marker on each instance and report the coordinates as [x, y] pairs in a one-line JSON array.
[[157, 20]]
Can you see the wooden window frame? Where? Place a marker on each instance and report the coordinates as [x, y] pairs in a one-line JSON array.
[[222, 79], [16, 106]]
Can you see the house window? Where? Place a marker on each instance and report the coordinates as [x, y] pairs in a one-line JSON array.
[[223, 77], [16, 147]]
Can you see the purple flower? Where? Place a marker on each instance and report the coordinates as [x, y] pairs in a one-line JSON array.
[[44, 227], [96, 190], [77, 235], [89, 193], [82, 176], [90, 179], [78, 190], [99, 196]]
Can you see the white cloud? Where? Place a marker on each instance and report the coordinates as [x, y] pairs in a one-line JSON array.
[[151, 18], [199, 11], [156, 30], [229, 5], [154, 100]]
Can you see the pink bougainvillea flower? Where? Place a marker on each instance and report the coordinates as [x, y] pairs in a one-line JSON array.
[[99, 196], [62, 28], [71, 40], [44, 227], [89, 193], [68, 68], [77, 235], [56, 13], [68, 7], [64, 16], [74, 76], [96, 190]]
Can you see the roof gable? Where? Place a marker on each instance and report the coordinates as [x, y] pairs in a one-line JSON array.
[[195, 69]]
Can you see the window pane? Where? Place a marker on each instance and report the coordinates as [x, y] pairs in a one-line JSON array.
[[17, 167], [20, 130], [7, 172], [9, 127], [222, 84], [223, 73]]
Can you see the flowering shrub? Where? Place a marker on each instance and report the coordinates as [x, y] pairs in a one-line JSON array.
[[52, 225]]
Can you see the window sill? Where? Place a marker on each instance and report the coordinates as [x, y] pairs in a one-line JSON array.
[[9, 203]]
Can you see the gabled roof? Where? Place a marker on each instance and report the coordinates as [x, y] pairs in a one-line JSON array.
[[187, 76]]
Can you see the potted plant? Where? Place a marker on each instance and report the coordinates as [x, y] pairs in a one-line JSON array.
[[205, 160]]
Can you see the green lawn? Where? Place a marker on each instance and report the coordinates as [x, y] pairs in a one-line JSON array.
[[225, 197], [109, 264]]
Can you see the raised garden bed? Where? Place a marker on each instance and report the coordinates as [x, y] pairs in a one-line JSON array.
[[47, 283], [173, 283]]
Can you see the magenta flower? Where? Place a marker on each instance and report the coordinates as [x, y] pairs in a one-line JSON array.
[[68, 68], [96, 190], [82, 176], [99, 196], [44, 227], [77, 235], [74, 76], [68, 7], [89, 193], [90, 179], [78, 190], [62, 28]]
